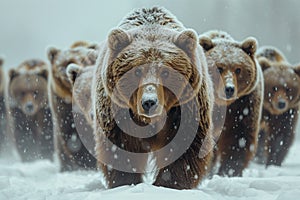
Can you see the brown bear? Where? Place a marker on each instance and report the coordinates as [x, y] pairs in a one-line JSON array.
[[238, 87], [280, 107], [72, 154], [28, 109], [2, 106], [81, 81], [152, 97]]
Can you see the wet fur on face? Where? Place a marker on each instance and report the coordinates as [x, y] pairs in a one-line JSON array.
[[282, 89], [80, 54], [231, 64], [28, 86], [170, 72]]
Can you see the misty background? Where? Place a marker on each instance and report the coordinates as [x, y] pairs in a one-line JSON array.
[[28, 27]]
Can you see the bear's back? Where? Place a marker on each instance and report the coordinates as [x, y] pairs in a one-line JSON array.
[[31, 66], [271, 53], [218, 35], [150, 16]]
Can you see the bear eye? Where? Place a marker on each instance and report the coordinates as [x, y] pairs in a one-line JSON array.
[[138, 72], [165, 73], [275, 89], [220, 70], [238, 71]]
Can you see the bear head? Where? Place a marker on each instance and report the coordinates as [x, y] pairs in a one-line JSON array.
[[232, 66], [79, 54], [282, 85], [150, 73], [28, 86]]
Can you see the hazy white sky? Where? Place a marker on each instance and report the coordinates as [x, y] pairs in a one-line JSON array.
[[28, 27]]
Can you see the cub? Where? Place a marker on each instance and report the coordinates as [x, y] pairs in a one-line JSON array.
[[72, 154], [29, 113], [152, 97], [238, 88], [280, 107]]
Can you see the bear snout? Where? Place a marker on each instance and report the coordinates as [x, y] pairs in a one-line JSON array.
[[281, 104], [150, 104], [29, 108], [229, 91]]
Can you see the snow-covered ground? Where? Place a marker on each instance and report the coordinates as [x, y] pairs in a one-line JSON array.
[[41, 180]]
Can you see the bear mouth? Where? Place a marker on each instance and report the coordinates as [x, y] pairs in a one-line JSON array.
[[154, 112], [224, 98]]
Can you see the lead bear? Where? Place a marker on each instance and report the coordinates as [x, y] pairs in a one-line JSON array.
[[238, 88], [152, 95], [71, 152], [29, 112], [281, 106]]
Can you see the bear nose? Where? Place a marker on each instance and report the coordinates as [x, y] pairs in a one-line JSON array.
[[281, 104], [229, 91], [149, 104], [29, 107]]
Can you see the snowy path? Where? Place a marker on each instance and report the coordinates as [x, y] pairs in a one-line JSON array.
[[41, 180]]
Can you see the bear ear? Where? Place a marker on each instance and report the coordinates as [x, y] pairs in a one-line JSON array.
[[264, 63], [187, 41], [72, 72], [12, 74], [52, 53], [249, 45], [118, 40], [92, 54], [44, 73], [206, 43], [297, 69], [93, 46]]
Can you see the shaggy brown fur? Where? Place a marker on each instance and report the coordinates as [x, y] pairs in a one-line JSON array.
[[81, 80], [281, 106], [238, 87], [29, 112], [71, 152], [271, 53], [2, 107], [140, 56]]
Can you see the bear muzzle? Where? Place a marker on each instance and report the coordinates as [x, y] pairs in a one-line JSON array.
[[29, 108], [150, 105], [281, 105]]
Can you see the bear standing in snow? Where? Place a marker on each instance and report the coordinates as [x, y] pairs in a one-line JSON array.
[[238, 87], [29, 112], [2, 106], [280, 108], [81, 81], [71, 152], [152, 96]]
